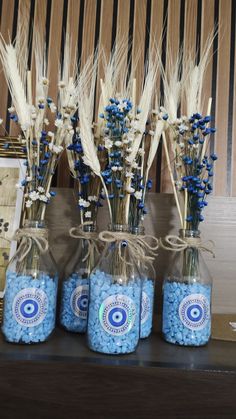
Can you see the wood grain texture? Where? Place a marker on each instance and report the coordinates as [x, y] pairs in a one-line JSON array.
[[138, 47], [6, 31], [89, 25], [198, 16], [104, 391], [233, 173], [173, 40], [207, 27], [222, 94]]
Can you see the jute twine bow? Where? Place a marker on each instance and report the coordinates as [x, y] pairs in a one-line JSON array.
[[90, 236], [177, 244], [27, 236], [138, 245]]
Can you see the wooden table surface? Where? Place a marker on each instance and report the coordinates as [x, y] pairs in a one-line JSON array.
[[63, 379]]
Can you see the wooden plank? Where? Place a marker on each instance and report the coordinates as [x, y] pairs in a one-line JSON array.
[[6, 32], [40, 9], [156, 33], [233, 172], [105, 38], [190, 27], [54, 49], [173, 48], [72, 28], [122, 28], [23, 9], [138, 50], [207, 27], [222, 92], [89, 26]]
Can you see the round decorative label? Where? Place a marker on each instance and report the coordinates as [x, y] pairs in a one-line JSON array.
[[117, 314], [194, 311], [145, 309], [30, 306], [79, 301]]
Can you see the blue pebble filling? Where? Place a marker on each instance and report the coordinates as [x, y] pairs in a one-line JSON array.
[[74, 304], [186, 313], [148, 286], [114, 314], [29, 308]]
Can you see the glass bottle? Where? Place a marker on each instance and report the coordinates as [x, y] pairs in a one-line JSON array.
[[75, 288], [115, 299], [148, 291], [187, 297], [31, 289]]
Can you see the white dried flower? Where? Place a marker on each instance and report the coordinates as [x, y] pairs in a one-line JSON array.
[[59, 123], [83, 203], [129, 189], [88, 214], [138, 194], [43, 198], [28, 203], [118, 144], [108, 143], [53, 107], [46, 121], [129, 174], [57, 149], [11, 109], [28, 178], [50, 134], [93, 198], [135, 165], [34, 195], [114, 168], [141, 152], [41, 189]]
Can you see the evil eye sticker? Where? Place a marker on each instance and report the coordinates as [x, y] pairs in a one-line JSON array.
[[194, 311], [30, 306], [145, 308], [79, 301], [117, 314]]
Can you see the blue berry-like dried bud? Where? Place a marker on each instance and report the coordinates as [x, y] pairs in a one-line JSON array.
[[214, 156]]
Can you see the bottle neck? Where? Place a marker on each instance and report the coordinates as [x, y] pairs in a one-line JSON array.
[[89, 228], [34, 224], [119, 228], [184, 233], [140, 230]]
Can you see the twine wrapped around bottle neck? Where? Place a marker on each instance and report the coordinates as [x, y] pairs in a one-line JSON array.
[[177, 244], [27, 236], [138, 245], [90, 236]]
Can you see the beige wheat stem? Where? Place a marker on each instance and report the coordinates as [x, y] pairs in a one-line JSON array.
[[185, 206], [206, 140], [29, 87], [172, 178]]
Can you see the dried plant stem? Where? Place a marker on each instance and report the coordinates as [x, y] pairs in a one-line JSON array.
[[29, 87], [185, 207], [206, 141], [172, 178]]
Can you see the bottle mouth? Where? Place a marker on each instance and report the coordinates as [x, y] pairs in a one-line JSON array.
[[119, 227], [189, 233], [34, 224], [138, 230]]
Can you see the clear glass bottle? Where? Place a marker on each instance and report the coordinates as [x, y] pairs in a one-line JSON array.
[[148, 291], [187, 297], [31, 290], [75, 287], [115, 300]]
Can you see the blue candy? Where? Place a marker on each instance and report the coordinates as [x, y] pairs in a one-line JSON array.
[[186, 313], [29, 308], [147, 307], [114, 314], [74, 304]]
